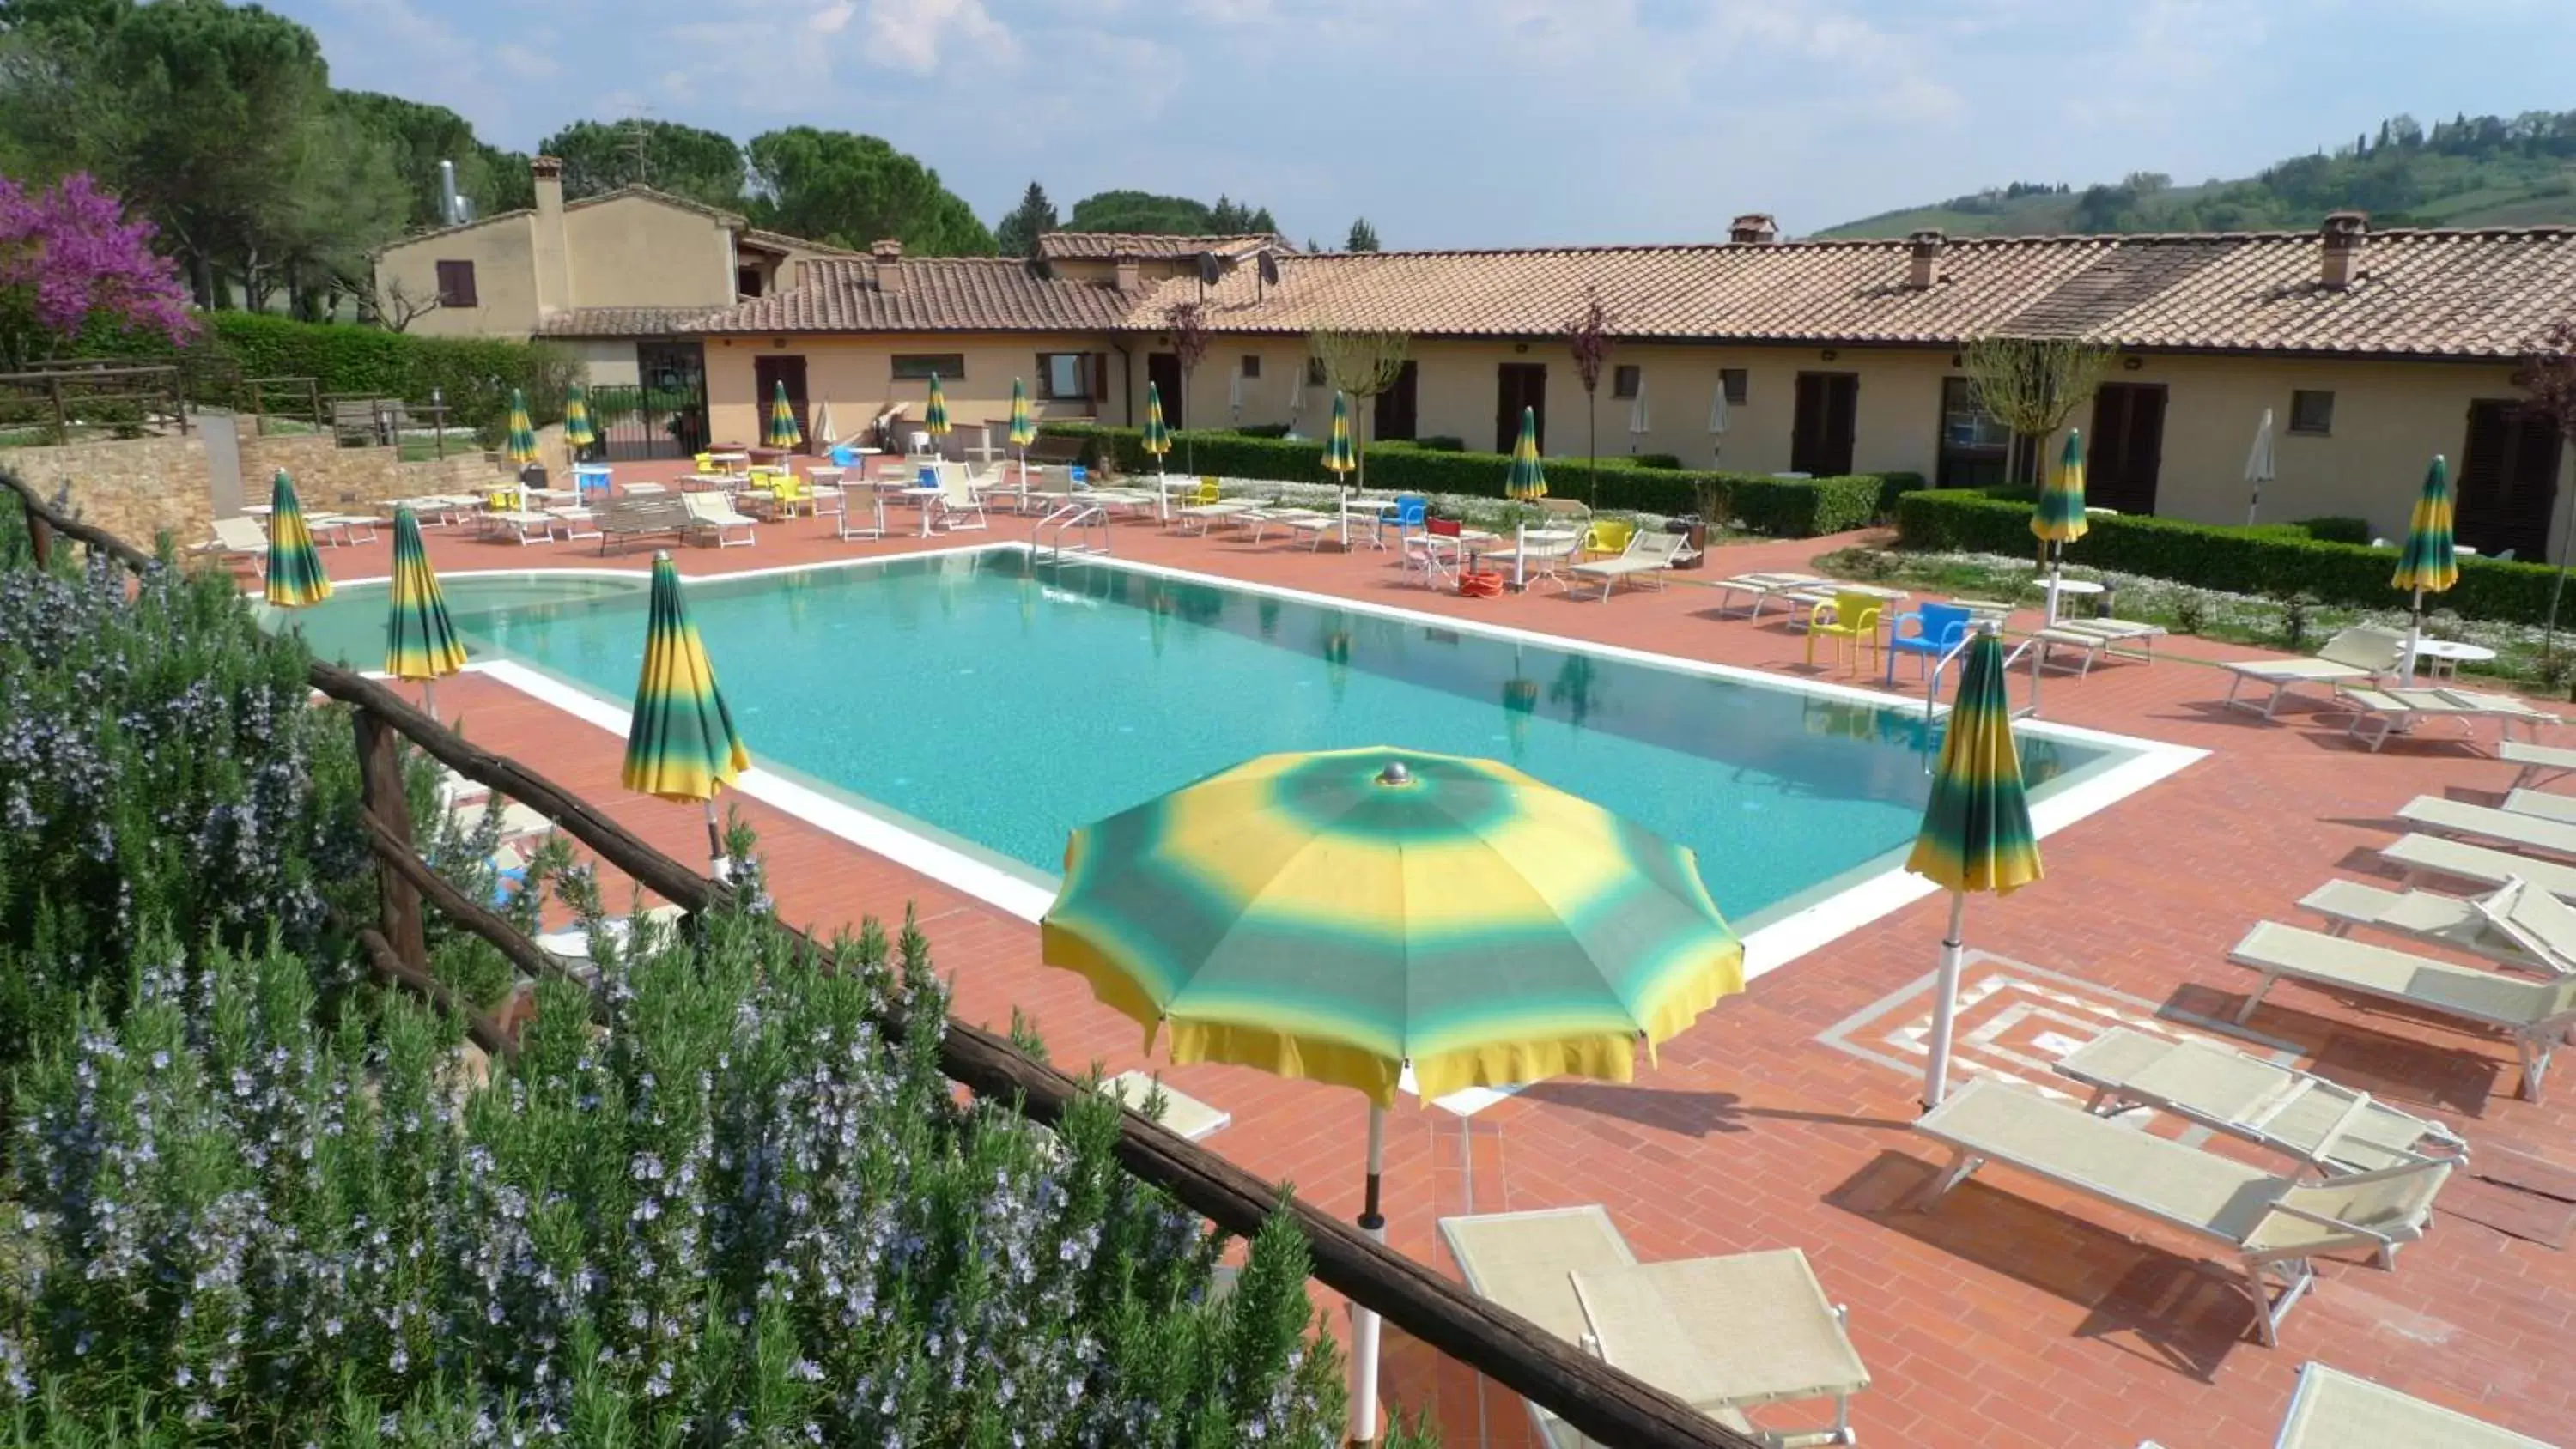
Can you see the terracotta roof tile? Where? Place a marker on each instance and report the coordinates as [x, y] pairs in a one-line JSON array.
[[1105, 245], [929, 294], [620, 321]]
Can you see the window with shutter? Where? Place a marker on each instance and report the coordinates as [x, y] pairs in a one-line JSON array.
[[456, 285]]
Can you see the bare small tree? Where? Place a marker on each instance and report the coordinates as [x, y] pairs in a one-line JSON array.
[[1589, 340], [2032, 385], [1363, 365], [395, 307], [1187, 322], [2548, 378]]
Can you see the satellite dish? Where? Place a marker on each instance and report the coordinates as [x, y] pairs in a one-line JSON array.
[[1210, 269], [1270, 268]]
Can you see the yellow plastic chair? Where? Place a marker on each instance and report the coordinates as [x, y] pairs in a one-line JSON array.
[[1851, 621], [1607, 536], [791, 493], [502, 500], [705, 463], [1209, 491]]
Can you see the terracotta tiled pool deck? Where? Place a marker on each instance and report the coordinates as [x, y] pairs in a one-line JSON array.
[[2014, 1315]]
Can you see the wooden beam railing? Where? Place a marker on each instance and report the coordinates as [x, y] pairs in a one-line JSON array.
[[1591, 1396]]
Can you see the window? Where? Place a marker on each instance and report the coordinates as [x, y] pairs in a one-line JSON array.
[[746, 282], [456, 285], [1252, 364], [1974, 446], [923, 366], [1735, 381], [1625, 379], [1315, 373], [1069, 376], [2312, 412]]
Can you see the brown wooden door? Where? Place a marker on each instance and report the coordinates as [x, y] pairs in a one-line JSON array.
[[2126, 448], [1519, 385], [1163, 372], [1396, 407], [766, 374], [1828, 414], [2508, 479]]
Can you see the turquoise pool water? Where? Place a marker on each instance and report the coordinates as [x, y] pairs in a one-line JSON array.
[[1004, 702]]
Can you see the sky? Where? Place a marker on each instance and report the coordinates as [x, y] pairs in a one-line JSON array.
[[1462, 123]]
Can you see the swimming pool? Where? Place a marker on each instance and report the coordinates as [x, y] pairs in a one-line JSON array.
[[993, 702]]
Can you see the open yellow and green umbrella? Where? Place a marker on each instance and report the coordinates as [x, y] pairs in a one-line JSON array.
[[521, 445], [2430, 562], [934, 418], [1976, 832], [2060, 519], [577, 429], [295, 577], [1527, 480], [780, 430], [1342, 915], [1158, 439], [680, 744], [420, 641]]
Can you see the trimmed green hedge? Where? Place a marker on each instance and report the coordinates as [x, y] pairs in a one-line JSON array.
[[473, 374], [2271, 559], [1785, 507]]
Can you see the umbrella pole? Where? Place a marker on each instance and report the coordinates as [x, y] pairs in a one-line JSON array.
[[1364, 1321], [429, 699], [1520, 557], [715, 842], [2414, 635], [2056, 568], [1945, 1005]]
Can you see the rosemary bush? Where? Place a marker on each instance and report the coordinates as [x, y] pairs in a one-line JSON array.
[[736, 1215]]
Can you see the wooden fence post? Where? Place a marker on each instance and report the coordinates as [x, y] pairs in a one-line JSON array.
[[380, 787], [41, 534], [62, 419]]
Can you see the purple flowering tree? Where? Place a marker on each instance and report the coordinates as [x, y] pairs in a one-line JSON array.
[[70, 262]]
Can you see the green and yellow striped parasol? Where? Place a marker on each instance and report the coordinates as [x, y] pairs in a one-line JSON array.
[[680, 744], [781, 431], [1024, 427], [1158, 439], [1338, 455], [1976, 832], [934, 418], [295, 577], [2060, 515], [420, 642], [1527, 480], [577, 429], [522, 443], [2430, 562]]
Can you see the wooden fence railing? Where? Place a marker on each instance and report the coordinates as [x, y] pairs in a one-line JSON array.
[[1593, 1397]]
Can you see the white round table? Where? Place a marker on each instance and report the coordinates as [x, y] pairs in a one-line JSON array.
[[2447, 655], [2068, 589]]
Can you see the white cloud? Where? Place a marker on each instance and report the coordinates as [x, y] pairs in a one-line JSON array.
[[519, 60], [912, 34], [834, 18]]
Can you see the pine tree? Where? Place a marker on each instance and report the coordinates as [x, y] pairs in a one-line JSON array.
[[1017, 234], [1363, 237], [1260, 221]]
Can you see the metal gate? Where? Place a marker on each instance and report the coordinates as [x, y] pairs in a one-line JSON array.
[[665, 417]]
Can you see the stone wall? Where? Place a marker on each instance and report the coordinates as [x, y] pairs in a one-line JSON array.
[[141, 486]]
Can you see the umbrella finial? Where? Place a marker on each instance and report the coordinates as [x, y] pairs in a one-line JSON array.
[[1395, 774]]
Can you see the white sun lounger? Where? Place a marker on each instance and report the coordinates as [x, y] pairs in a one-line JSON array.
[[2353, 654], [714, 513], [237, 537], [2458, 817], [1762, 587], [2095, 637], [2534, 1015], [2272, 1225], [2513, 925], [2332, 1409], [2435, 856], [2325, 1125], [1648, 556], [1721, 1334], [2379, 713], [2537, 761], [2541, 805]]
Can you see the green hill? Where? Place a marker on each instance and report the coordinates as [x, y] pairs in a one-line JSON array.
[[2468, 171]]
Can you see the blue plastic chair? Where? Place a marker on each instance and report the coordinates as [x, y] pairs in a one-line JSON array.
[[845, 456], [1410, 511], [1937, 629]]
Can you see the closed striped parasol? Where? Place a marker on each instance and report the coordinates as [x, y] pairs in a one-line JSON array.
[[420, 641], [521, 446], [680, 744], [1527, 480], [295, 577], [2430, 562]]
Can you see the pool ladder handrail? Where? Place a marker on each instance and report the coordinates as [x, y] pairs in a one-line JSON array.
[[1932, 687], [1066, 520]]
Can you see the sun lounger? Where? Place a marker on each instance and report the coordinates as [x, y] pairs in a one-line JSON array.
[[2353, 654], [2096, 637], [1762, 587], [1288, 518], [1182, 1113], [2519, 831], [526, 525], [2272, 1225], [2507, 926], [2541, 805], [1648, 556], [2532, 1014], [2327, 1126], [2383, 712], [713, 513], [2332, 1409], [1721, 1334], [238, 538], [623, 519], [2537, 761]]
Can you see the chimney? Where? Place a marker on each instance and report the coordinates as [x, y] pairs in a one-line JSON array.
[[2341, 252], [888, 249], [1753, 229], [888, 253], [553, 255], [1923, 258], [1130, 279]]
